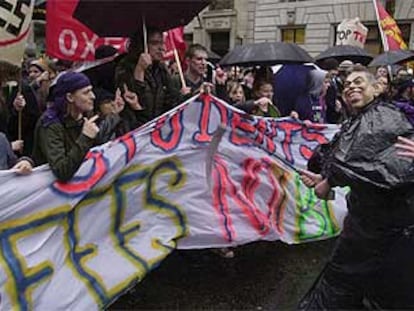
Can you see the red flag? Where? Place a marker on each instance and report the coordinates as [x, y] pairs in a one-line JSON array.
[[174, 39], [390, 29], [67, 38]]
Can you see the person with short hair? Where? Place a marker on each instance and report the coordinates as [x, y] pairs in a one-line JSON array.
[[195, 75], [146, 75], [196, 57], [373, 258]]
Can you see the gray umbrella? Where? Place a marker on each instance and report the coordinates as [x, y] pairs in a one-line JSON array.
[[345, 52], [392, 58], [266, 54]]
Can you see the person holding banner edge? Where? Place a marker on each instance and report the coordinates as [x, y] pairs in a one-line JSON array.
[[372, 261]]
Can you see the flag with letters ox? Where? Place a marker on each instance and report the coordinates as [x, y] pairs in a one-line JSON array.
[[200, 176]]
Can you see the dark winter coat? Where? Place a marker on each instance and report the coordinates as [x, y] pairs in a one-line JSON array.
[[64, 147]]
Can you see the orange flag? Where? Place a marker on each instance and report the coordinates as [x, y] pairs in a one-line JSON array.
[[392, 37]]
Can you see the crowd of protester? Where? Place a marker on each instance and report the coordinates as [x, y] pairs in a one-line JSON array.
[[122, 95], [63, 113]]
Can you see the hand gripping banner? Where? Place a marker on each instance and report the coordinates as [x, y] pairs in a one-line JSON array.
[[203, 175]]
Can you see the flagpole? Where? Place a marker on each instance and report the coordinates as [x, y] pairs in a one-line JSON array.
[[177, 59], [383, 38], [145, 34], [180, 69]]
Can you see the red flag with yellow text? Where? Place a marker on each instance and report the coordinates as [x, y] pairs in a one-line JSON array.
[[392, 32]]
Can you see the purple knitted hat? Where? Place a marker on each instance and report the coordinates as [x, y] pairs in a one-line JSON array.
[[67, 83]]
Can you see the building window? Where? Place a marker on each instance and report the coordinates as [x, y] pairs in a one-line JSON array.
[[373, 43], [293, 35], [220, 42], [188, 38], [221, 4]]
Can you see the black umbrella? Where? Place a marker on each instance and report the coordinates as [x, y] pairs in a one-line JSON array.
[[266, 54], [95, 70], [213, 57], [345, 52], [121, 18], [392, 58]]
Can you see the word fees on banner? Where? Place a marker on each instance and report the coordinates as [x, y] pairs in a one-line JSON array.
[[202, 175]]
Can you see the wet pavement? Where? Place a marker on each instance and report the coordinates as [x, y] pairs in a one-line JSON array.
[[262, 276]]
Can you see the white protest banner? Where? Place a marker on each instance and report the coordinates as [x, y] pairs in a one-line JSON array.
[[136, 199], [15, 21], [351, 32]]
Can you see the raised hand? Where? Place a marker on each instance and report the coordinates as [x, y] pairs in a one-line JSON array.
[[17, 145], [263, 104], [43, 77], [185, 90], [144, 61], [119, 103], [90, 129], [132, 99], [19, 102]]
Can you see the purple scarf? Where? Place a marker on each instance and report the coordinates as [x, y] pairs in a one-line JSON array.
[[408, 110], [69, 82]]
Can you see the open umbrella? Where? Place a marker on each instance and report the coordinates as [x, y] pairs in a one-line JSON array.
[[93, 69], [266, 54], [345, 52], [392, 58], [86, 66], [121, 18], [213, 57]]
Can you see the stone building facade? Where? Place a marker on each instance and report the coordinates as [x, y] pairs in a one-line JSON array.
[[221, 26], [309, 23]]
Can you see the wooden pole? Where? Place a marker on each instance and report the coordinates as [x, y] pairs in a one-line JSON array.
[[145, 34], [19, 125], [180, 69], [383, 38], [19, 115]]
